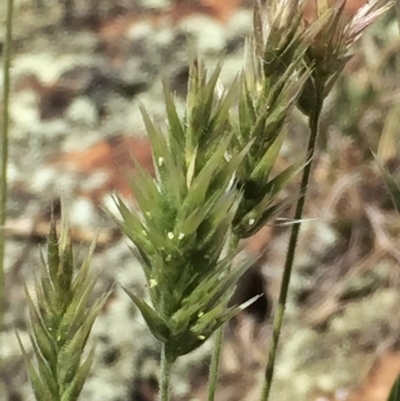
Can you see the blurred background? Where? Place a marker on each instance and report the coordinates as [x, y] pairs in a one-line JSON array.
[[81, 68]]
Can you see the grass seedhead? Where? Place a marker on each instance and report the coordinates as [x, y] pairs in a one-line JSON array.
[[182, 219], [263, 111], [330, 49], [61, 319]]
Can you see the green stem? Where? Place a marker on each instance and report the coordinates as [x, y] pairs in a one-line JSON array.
[[4, 147], [287, 272], [214, 367], [165, 375], [219, 337]]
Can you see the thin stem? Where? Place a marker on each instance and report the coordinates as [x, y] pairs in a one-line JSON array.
[[4, 146], [214, 367], [219, 337], [287, 272], [165, 375]]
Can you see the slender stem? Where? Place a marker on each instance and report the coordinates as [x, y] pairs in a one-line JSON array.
[[4, 147], [214, 367], [165, 375], [287, 272], [219, 337]]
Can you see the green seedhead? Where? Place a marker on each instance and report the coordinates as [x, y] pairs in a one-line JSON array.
[[183, 218], [61, 319], [269, 89]]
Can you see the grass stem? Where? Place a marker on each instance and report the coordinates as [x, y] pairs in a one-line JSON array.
[[4, 146], [165, 375], [287, 272], [214, 367], [219, 337]]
